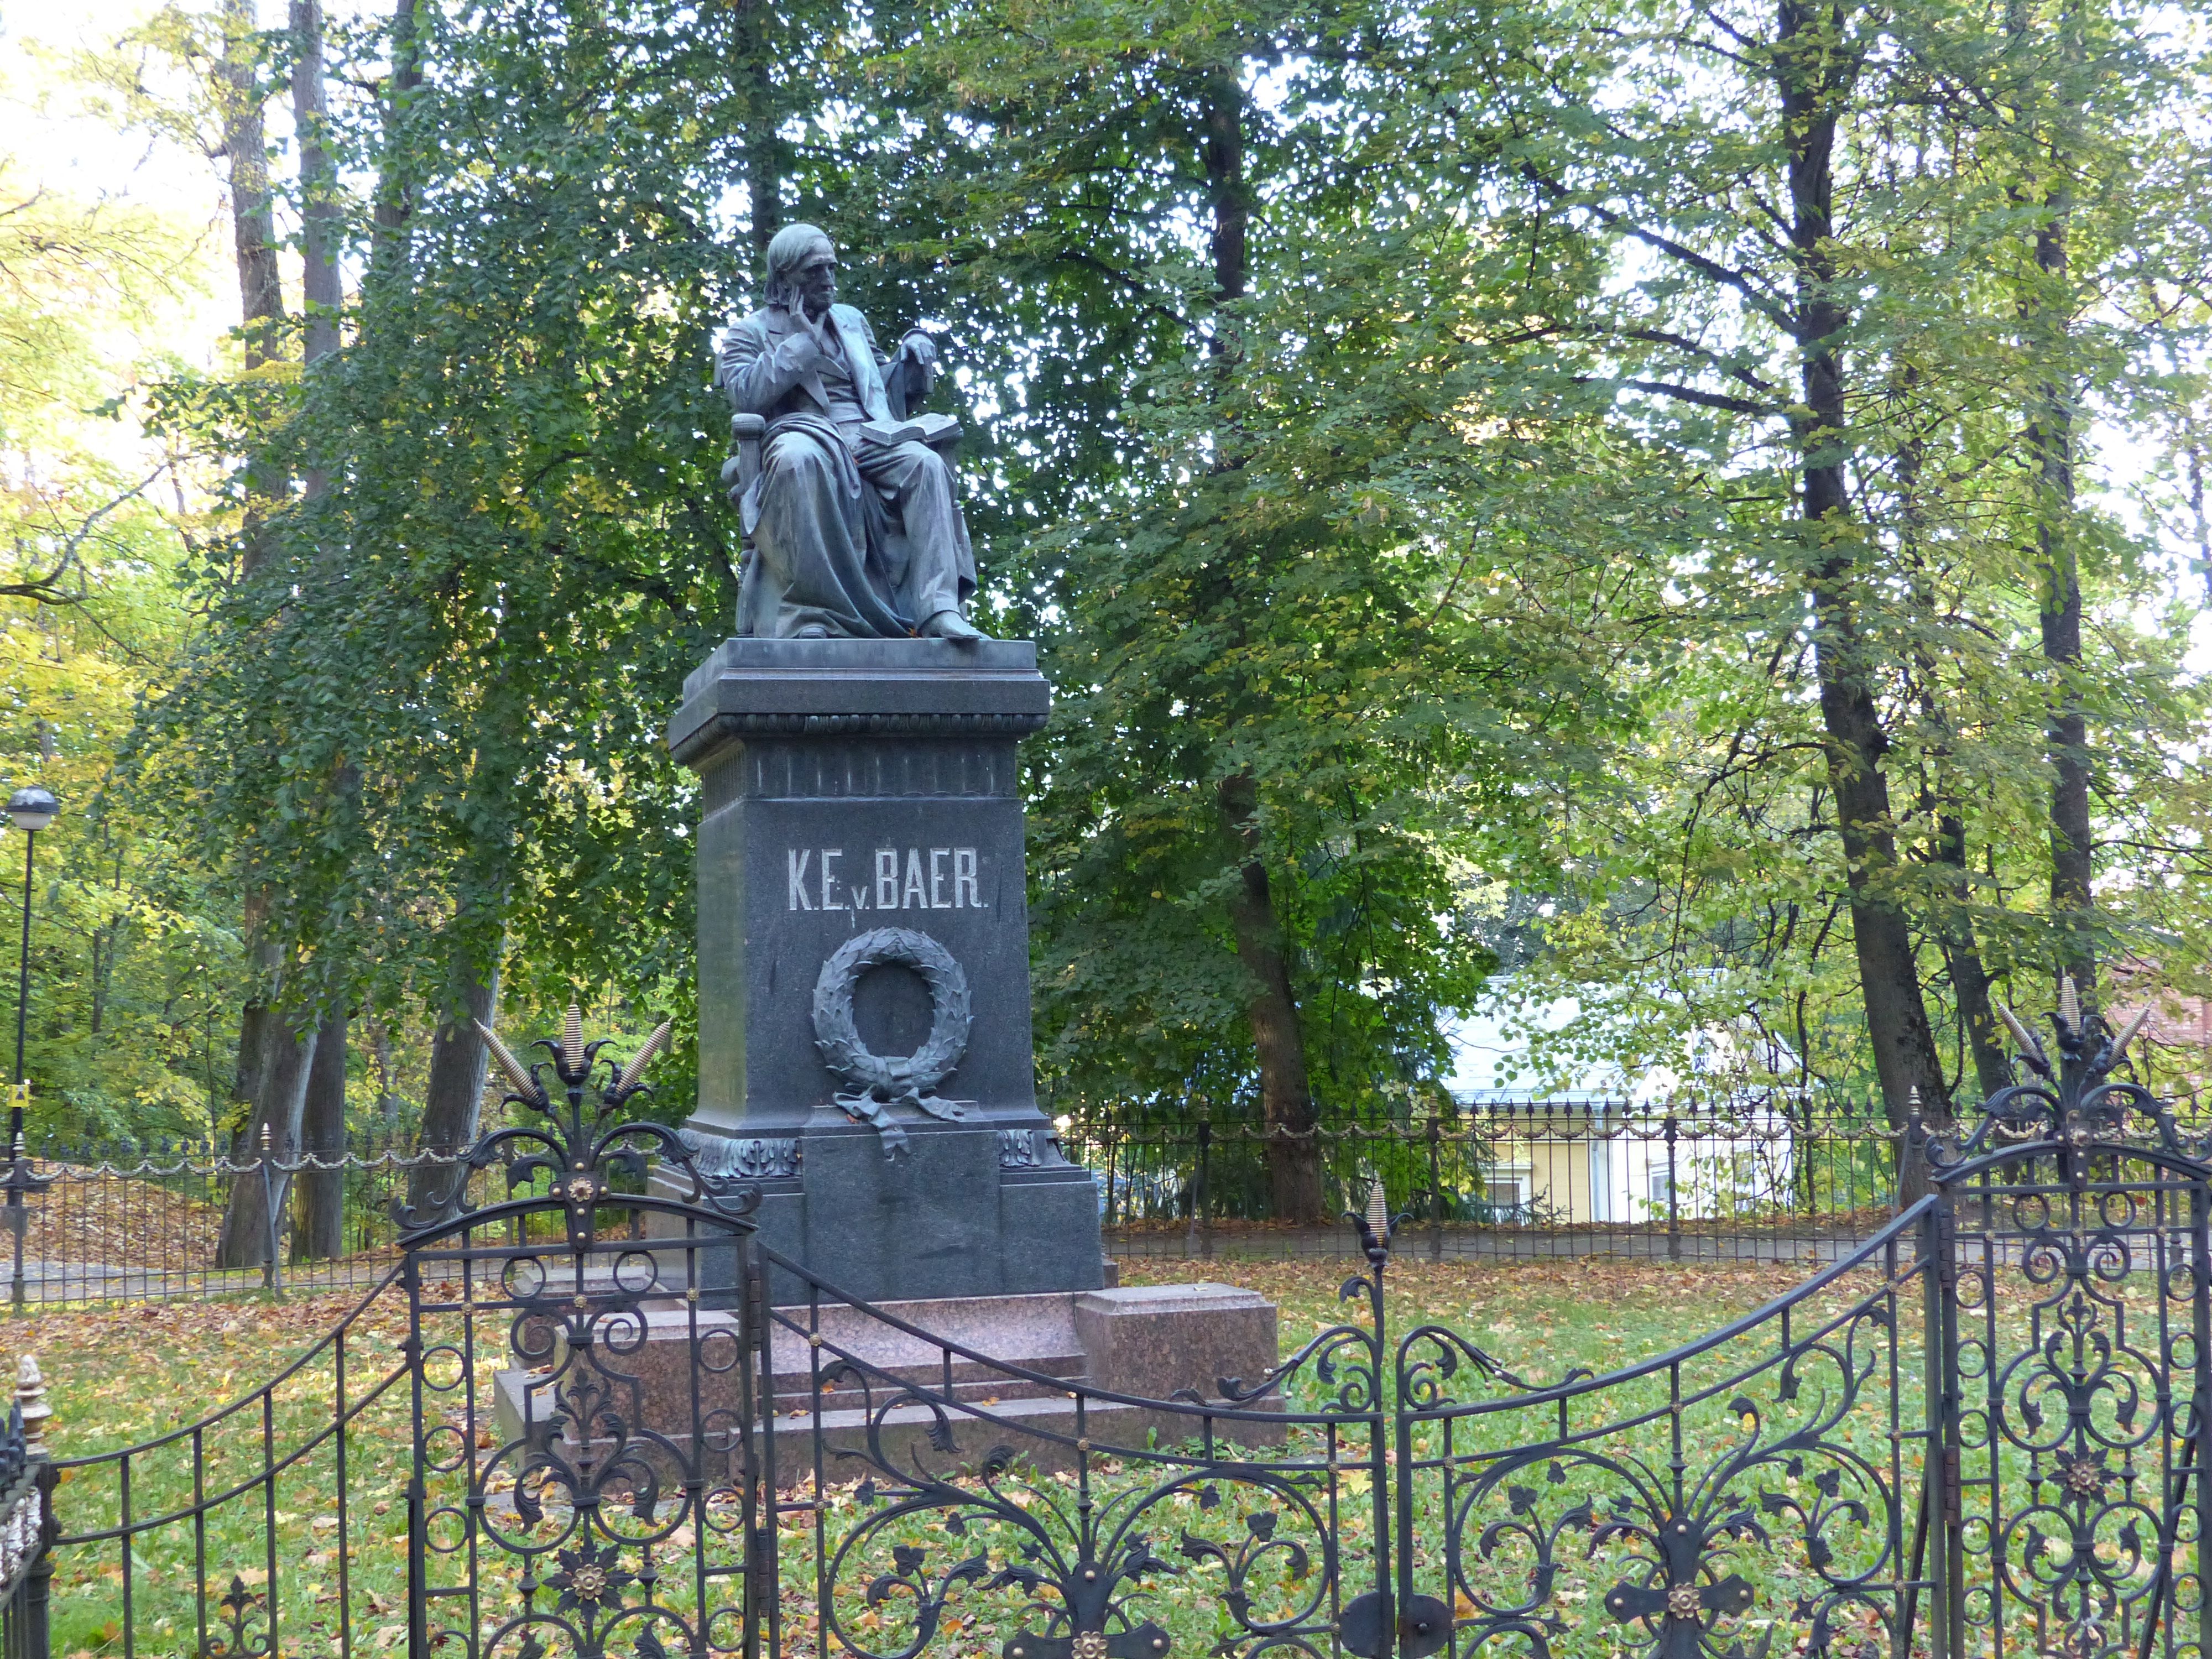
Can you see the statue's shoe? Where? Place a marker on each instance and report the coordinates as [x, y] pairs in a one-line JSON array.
[[813, 631], [949, 625]]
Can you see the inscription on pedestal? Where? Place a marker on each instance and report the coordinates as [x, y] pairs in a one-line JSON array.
[[929, 879]]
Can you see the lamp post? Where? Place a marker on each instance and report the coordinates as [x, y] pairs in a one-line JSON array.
[[30, 809]]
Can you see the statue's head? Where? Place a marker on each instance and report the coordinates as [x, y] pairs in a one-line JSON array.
[[792, 251]]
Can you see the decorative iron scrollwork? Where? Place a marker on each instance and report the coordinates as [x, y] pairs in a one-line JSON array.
[[578, 1148], [724, 1158], [2074, 1102]]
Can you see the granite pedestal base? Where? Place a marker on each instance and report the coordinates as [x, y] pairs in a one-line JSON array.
[[962, 1212], [1146, 1342], [864, 1055]]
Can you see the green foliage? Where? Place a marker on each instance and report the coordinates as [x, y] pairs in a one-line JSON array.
[[1714, 882], [133, 953], [1387, 418]]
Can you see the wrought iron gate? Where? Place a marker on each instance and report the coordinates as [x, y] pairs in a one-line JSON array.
[[1980, 1424], [581, 1391], [2075, 1340], [1976, 1435]]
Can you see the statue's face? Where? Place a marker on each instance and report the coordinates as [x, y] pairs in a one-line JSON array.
[[818, 283]]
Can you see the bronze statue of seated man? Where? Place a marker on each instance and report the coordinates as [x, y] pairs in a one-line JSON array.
[[855, 528]]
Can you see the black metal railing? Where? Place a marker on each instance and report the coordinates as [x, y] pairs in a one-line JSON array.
[[108, 1221], [1729, 1178], [579, 1420]]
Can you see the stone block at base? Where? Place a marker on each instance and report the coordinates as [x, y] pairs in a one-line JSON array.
[[1148, 1342]]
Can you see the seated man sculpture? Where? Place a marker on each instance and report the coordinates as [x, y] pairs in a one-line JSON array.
[[855, 534]]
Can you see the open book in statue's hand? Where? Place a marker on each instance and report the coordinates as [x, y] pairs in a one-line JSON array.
[[930, 428]]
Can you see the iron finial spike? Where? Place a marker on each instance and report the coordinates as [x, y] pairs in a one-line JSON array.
[[1378, 1210], [2134, 1027], [2029, 1045], [572, 1038], [2070, 1005], [643, 1057], [517, 1073]]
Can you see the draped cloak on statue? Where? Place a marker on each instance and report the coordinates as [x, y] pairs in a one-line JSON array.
[[862, 539]]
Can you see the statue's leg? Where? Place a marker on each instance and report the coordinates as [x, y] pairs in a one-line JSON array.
[[939, 567], [813, 541]]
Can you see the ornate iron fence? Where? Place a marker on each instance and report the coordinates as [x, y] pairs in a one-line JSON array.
[[1693, 1181], [109, 1222], [569, 1422], [1733, 1178]]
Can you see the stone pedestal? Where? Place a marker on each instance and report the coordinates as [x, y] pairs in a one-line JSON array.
[[861, 892], [864, 1062], [1149, 1342]]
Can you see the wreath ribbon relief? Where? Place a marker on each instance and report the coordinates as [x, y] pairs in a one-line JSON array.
[[875, 1082]]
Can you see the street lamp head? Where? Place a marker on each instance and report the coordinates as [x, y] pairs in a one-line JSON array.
[[31, 808]]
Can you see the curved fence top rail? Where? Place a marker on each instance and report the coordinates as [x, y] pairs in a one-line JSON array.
[[1907, 1222], [185, 1431]]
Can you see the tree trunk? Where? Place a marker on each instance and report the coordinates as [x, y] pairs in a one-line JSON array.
[[253, 237], [1954, 925], [1222, 113], [243, 1241], [2044, 308], [318, 1208], [319, 291], [256, 1021], [451, 1097], [319, 1222], [261, 307], [1814, 73], [1962, 959], [394, 199], [763, 146], [387, 1097], [1286, 1105], [2050, 442]]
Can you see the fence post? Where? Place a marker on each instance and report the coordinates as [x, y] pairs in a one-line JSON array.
[[27, 1635], [20, 1184], [1194, 1244], [1912, 1167], [1435, 1183], [1113, 1149], [1673, 1197], [1941, 1514], [271, 1276]]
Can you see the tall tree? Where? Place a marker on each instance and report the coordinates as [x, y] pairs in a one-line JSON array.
[[1882, 143], [1275, 603], [319, 1228]]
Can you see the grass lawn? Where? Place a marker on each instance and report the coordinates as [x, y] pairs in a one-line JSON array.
[[1539, 1318], [122, 1376]]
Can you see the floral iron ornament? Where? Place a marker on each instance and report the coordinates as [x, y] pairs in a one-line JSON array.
[[2072, 1099], [583, 1141]]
